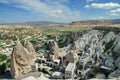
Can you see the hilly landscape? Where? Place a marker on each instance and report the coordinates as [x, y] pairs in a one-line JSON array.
[[34, 23], [83, 23], [97, 22], [59, 39]]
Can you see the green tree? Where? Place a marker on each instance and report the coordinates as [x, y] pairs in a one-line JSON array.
[[44, 70], [3, 57], [3, 68], [96, 69], [14, 38], [79, 66]]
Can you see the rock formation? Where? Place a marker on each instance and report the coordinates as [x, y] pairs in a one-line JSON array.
[[54, 49], [97, 45], [20, 60], [71, 57], [72, 38], [30, 49]]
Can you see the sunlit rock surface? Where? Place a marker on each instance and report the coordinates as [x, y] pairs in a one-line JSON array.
[[20, 60]]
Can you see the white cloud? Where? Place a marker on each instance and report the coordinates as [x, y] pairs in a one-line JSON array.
[[103, 5], [56, 13], [115, 12], [51, 10], [87, 6]]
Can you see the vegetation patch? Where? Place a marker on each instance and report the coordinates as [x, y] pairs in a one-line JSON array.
[[108, 45], [96, 69], [3, 57], [45, 70], [79, 66], [3, 68], [107, 29], [61, 44]]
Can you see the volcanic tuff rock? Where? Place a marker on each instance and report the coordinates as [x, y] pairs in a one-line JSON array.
[[20, 60], [97, 44], [71, 57], [54, 49], [30, 48], [72, 38]]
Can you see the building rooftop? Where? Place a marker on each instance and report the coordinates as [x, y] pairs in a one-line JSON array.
[[56, 73], [105, 67], [56, 60], [70, 67]]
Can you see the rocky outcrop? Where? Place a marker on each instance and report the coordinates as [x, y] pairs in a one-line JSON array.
[[54, 49], [20, 60], [30, 49], [96, 45], [72, 38], [69, 58]]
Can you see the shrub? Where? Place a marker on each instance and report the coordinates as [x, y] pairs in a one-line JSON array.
[[14, 38], [108, 45], [8, 63], [39, 62], [96, 69], [37, 49], [3, 68], [39, 69], [46, 46], [3, 57], [79, 66], [61, 44], [44, 70]]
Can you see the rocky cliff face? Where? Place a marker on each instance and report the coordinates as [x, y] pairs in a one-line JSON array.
[[20, 60], [103, 48]]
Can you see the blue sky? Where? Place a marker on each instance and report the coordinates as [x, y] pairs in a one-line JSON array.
[[58, 10]]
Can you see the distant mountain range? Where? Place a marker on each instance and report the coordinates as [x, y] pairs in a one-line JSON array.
[[96, 22], [34, 23], [85, 22]]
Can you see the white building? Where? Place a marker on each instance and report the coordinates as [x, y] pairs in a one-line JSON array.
[[55, 63], [57, 75], [84, 59], [41, 57], [83, 72], [69, 71]]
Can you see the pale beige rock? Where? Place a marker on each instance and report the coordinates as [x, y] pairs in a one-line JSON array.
[[54, 49], [30, 49], [69, 58], [30, 78], [21, 59]]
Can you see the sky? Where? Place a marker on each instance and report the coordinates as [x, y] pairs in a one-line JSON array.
[[12, 11]]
